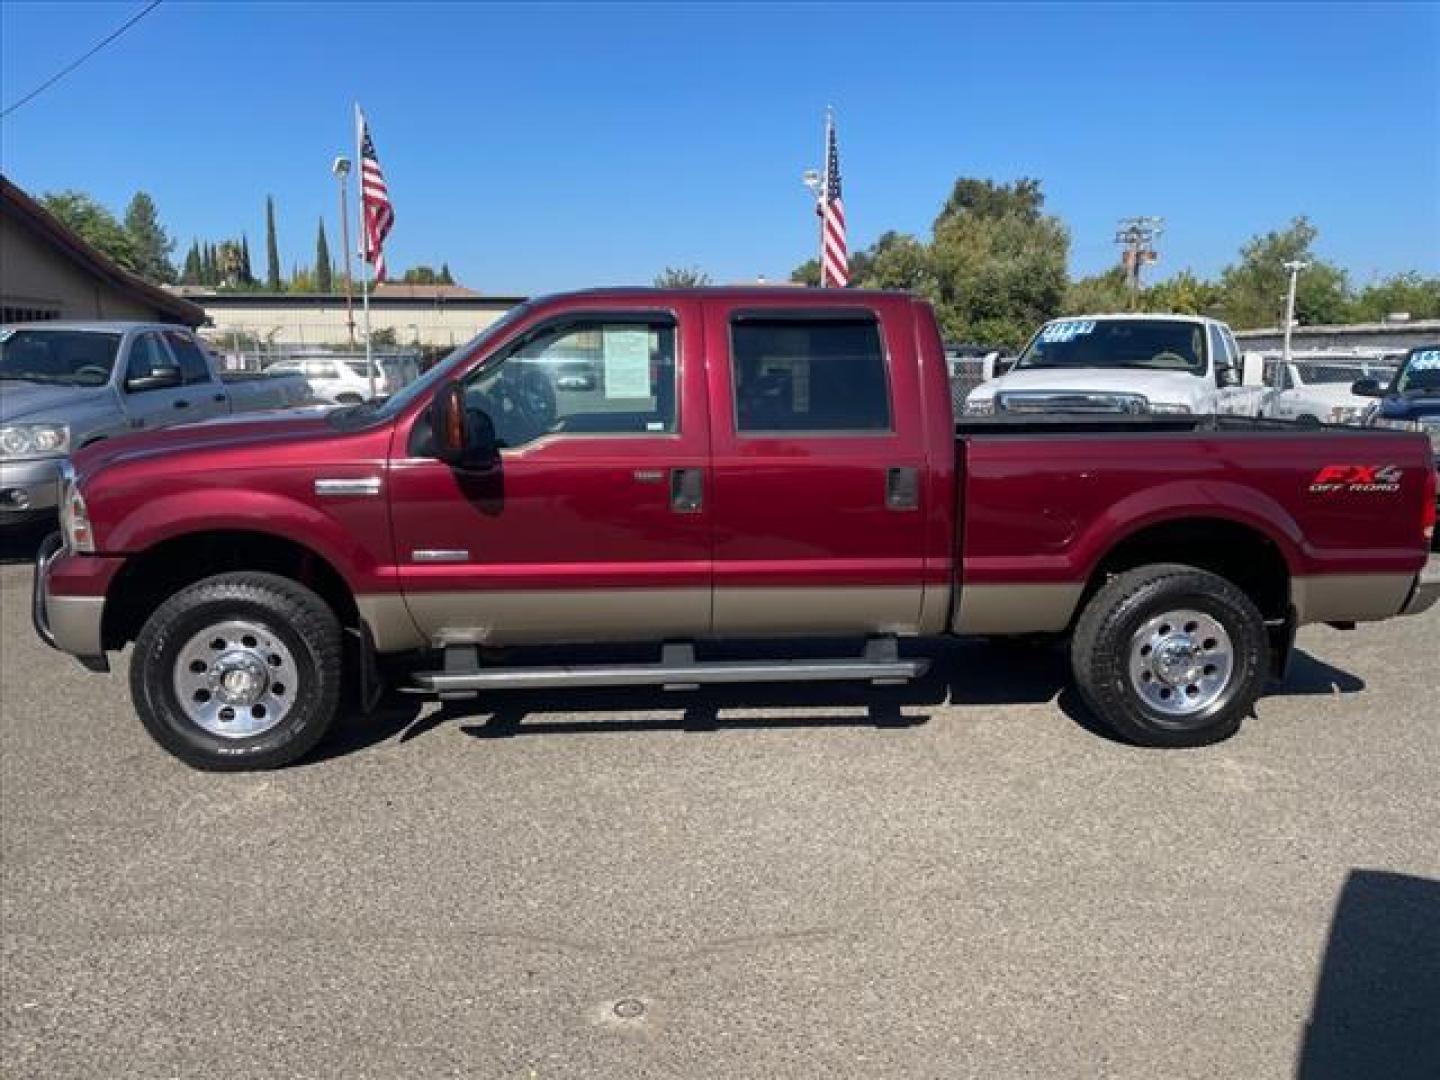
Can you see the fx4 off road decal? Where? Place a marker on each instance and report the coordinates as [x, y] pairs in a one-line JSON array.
[[1376, 478]]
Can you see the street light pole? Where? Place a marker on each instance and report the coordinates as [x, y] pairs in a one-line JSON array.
[[341, 169], [1294, 266]]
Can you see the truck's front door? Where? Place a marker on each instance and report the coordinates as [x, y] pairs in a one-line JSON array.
[[596, 523], [819, 468]]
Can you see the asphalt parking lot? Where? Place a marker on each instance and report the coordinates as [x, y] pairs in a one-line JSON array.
[[960, 879]]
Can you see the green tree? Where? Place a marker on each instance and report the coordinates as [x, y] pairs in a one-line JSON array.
[[247, 275], [420, 275], [807, 273], [1106, 291], [191, 276], [272, 248], [94, 224], [895, 261], [324, 281], [1183, 293], [383, 336], [147, 236], [1417, 296], [208, 273], [998, 262], [681, 277], [1253, 289], [446, 278]]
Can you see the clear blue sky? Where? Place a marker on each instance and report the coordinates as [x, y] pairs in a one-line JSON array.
[[548, 147]]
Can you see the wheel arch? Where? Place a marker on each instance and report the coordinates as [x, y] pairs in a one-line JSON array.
[[148, 578]]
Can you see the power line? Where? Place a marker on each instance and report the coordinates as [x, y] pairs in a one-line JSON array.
[[67, 70]]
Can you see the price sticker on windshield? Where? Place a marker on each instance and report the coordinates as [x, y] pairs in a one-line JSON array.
[[1425, 360], [1067, 330]]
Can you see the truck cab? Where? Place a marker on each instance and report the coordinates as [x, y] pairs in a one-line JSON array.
[[1129, 364]]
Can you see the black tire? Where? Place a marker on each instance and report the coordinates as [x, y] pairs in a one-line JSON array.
[[302, 623], [1102, 649], [348, 398]]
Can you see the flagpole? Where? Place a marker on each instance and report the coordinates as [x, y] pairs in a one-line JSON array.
[[367, 268]]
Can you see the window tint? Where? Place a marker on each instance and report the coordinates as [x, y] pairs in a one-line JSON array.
[[601, 377], [192, 361], [146, 354], [809, 375]]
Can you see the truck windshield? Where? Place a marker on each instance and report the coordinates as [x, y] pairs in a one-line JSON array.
[[380, 410], [58, 357], [1117, 343], [1421, 373]]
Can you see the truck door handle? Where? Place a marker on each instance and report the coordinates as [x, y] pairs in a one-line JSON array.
[[687, 490], [219, 397], [182, 404], [902, 488]]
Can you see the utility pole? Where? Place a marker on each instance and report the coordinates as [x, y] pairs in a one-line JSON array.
[[1294, 266], [341, 169], [1136, 237]]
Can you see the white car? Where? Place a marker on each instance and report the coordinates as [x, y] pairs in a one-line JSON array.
[[1316, 389], [340, 380], [1131, 364]]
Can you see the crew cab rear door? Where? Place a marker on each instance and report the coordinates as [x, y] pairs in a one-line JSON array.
[[596, 523], [819, 466]]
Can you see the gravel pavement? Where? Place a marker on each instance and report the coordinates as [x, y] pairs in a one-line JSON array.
[[955, 880]]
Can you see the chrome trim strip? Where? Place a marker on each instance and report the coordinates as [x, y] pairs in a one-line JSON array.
[[732, 671], [439, 555], [367, 485]]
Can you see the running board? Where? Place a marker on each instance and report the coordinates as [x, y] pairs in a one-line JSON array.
[[678, 670]]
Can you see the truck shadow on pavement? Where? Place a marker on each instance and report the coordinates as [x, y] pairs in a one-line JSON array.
[[964, 673], [1377, 1002], [21, 543]]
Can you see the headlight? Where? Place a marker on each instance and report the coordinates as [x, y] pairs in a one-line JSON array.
[[1397, 425], [980, 407], [1165, 408], [74, 517], [34, 440]]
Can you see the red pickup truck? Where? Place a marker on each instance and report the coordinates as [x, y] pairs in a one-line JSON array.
[[759, 463]]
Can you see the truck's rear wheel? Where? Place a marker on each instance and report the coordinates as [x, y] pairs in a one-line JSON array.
[[238, 671], [1170, 656]]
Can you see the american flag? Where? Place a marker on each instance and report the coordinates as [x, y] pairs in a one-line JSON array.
[[375, 206], [834, 257]]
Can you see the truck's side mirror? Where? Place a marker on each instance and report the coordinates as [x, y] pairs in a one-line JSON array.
[[160, 377], [1227, 375], [1367, 388], [463, 437]]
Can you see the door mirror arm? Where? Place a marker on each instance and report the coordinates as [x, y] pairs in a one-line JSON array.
[[166, 377]]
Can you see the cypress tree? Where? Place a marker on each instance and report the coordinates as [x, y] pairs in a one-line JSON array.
[[272, 248], [192, 264], [246, 274], [324, 281], [445, 278]]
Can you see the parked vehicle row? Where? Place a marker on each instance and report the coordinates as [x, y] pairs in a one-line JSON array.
[[68, 385], [333, 379], [762, 463]]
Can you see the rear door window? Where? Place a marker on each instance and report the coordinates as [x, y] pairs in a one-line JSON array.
[[818, 375], [147, 353]]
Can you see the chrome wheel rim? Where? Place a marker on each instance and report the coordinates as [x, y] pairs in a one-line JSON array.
[[1181, 662], [236, 679]]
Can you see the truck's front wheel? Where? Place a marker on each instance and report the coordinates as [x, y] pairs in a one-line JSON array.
[[238, 671], [1170, 656]]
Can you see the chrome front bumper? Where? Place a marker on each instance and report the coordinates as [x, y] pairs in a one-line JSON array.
[[29, 489], [1426, 590], [71, 624]]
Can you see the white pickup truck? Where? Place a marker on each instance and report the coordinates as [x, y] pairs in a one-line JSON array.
[[1127, 363], [65, 385], [1315, 388]]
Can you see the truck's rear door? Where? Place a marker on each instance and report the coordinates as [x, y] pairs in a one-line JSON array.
[[819, 466]]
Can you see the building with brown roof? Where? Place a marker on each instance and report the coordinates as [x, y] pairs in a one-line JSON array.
[[49, 272]]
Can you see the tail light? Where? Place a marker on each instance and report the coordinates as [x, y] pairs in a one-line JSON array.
[[1427, 516]]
